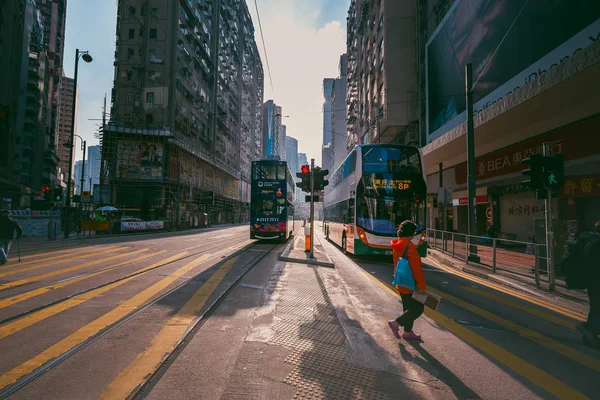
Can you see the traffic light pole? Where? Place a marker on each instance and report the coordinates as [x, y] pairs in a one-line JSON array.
[[549, 229], [472, 208], [312, 208]]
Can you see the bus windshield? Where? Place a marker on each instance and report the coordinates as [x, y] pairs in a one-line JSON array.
[[383, 215], [385, 160]]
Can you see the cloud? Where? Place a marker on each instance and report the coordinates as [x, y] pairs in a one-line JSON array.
[[301, 55]]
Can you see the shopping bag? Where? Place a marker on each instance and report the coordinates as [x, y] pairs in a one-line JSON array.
[[404, 276]]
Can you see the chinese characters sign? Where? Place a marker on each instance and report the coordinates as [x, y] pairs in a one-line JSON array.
[[397, 184], [581, 186], [526, 209], [567, 141]]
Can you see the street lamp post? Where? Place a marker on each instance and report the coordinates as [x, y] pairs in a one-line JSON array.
[[87, 58]]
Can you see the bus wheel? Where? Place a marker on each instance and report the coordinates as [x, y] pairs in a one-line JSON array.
[[344, 244]]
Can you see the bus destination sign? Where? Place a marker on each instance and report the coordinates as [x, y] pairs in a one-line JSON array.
[[394, 184]]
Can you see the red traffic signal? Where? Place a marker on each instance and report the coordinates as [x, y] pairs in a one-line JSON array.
[[305, 169]]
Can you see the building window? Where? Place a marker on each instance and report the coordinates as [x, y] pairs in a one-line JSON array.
[[130, 53], [150, 97], [129, 75], [25, 165], [154, 11], [149, 118], [131, 33], [151, 75], [128, 98], [153, 33]]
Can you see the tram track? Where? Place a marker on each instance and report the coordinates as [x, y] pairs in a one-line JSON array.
[[238, 250], [133, 274]]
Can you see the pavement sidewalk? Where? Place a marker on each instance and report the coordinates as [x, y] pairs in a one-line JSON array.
[[287, 332]]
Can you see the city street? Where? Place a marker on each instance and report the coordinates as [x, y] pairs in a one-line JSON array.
[[210, 314]]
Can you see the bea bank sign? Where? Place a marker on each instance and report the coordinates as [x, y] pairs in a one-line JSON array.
[[567, 141]]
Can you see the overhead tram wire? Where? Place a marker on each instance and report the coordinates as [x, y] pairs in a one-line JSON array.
[[263, 42]]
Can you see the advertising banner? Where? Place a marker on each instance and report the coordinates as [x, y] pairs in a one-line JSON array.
[[133, 226], [507, 50], [155, 225], [138, 159]]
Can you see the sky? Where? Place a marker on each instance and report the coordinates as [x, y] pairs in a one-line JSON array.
[[304, 40]]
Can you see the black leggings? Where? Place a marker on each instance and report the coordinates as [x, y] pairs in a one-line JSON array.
[[412, 310]]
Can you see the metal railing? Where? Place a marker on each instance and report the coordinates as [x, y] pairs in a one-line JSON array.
[[496, 254]]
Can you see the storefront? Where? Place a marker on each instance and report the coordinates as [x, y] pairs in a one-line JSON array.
[[460, 211], [582, 196]]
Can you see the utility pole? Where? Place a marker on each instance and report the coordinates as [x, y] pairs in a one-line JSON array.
[[472, 210], [102, 153], [547, 152], [312, 208], [442, 199], [83, 147], [177, 194]]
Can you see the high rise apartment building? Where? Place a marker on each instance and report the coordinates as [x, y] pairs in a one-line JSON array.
[[383, 90], [53, 15], [186, 112], [334, 148], [92, 167], [273, 130], [27, 160], [65, 114], [291, 154], [77, 171]]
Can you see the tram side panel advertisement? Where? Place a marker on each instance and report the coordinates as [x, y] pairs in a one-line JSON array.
[[269, 206]]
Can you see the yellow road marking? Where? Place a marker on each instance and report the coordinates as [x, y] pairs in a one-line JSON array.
[[57, 249], [65, 270], [89, 330], [163, 343], [43, 265], [517, 364], [56, 257], [536, 337], [9, 301], [523, 307], [534, 300], [20, 324]]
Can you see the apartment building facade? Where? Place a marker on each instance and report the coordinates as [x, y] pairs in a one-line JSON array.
[[382, 79], [67, 96], [26, 159], [186, 109]]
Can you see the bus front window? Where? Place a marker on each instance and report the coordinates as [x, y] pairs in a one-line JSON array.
[[383, 214]]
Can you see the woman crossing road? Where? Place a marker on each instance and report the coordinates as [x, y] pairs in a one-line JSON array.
[[411, 307]]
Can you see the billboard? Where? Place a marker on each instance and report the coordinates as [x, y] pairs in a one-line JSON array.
[[546, 33], [139, 159]]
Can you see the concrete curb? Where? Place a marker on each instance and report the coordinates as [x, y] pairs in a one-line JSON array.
[[285, 255]]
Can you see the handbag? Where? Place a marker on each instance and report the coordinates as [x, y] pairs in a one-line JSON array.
[[404, 276]]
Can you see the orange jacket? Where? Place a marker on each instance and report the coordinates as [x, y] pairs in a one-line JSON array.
[[414, 259]]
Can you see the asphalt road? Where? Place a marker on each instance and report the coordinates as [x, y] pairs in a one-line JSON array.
[[95, 318], [88, 309], [518, 345]]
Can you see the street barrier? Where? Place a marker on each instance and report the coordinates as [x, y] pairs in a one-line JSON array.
[[495, 254]]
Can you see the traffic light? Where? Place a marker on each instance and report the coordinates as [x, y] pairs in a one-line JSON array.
[[57, 195], [535, 171], [304, 174], [46, 193], [554, 171], [320, 181]]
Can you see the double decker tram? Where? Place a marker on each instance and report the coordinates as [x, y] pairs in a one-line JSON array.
[[272, 195], [377, 187]]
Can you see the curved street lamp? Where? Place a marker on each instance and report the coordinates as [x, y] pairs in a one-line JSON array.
[[85, 55]]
